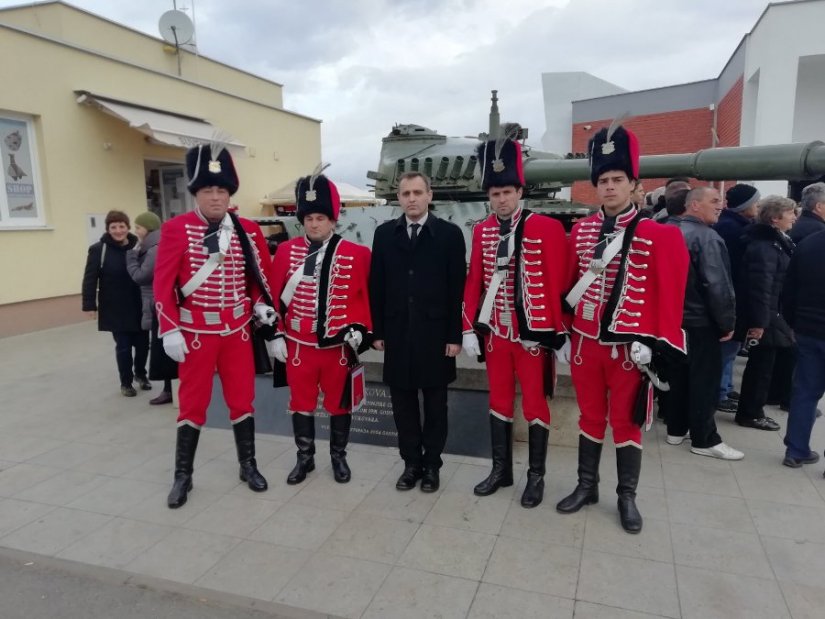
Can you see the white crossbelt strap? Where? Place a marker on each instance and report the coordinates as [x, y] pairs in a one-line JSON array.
[[224, 238], [295, 278], [495, 283], [596, 269]]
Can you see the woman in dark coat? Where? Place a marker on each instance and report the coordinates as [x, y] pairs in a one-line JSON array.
[[110, 295], [759, 321], [140, 262]]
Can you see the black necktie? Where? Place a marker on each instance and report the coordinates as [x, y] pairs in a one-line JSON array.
[[312, 257], [414, 234], [608, 226], [210, 239], [502, 255]]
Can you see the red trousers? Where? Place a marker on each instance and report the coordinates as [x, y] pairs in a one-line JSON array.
[[308, 369], [232, 356], [506, 360], [606, 390]]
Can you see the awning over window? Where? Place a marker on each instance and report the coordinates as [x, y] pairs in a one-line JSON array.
[[160, 126]]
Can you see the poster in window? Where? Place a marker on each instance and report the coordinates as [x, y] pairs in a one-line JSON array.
[[15, 152]]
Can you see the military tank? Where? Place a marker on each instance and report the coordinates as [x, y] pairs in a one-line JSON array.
[[454, 170]]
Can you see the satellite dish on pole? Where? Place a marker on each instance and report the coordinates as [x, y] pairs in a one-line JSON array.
[[177, 29]]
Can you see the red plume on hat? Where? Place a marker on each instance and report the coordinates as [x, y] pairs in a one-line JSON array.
[[614, 148], [317, 194], [501, 161]]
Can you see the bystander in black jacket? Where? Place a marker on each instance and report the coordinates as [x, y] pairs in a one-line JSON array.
[[807, 224], [709, 296], [731, 227], [803, 297], [108, 288], [764, 264]]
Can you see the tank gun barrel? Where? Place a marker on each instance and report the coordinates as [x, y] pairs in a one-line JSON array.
[[775, 162]]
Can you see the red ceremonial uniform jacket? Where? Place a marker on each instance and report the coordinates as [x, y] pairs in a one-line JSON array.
[[222, 303], [324, 307], [527, 305], [641, 292]]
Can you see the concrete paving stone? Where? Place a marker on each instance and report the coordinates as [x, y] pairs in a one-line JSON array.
[[413, 594], [796, 522], [409, 506], [236, 515], [494, 602], [544, 524], [448, 551], [534, 566], [325, 493], [370, 537], [467, 476], [464, 510], [54, 531], [159, 469], [183, 555], [116, 543], [217, 476], [255, 569], [702, 475], [774, 482], [803, 601], [603, 532], [116, 496], [795, 561], [633, 584], [154, 509], [708, 510], [341, 586], [22, 476], [15, 514], [20, 447], [588, 610], [63, 488], [279, 491], [706, 594], [732, 552], [299, 526], [116, 461]]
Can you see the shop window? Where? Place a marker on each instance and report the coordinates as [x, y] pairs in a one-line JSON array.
[[21, 203]]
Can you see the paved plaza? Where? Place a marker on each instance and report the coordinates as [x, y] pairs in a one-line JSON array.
[[84, 475]]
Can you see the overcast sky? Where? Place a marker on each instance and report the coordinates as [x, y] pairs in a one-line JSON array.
[[363, 65]]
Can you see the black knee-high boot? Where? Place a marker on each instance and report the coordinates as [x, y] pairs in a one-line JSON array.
[[537, 442], [587, 490], [245, 445], [185, 447], [303, 427], [501, 437], [628, 467], [338, 438]]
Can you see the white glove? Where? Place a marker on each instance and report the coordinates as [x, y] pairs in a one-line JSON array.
[[469, 342], [563, 353], [175, 346], [354, 339], [277, 349], [640, 354], [529, 344], [264, 314]]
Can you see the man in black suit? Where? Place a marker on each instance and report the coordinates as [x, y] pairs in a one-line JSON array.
[[416, 286]]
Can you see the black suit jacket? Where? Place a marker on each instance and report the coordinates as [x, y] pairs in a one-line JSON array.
[[415, 297]]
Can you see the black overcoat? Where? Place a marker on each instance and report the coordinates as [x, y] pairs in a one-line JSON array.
[[108, 288], [415, 297]]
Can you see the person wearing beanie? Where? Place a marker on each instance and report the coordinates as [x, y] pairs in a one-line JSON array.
[[512, 307], [140, 262], [628, 300], [211, 281], [321, 283], [740, 211]]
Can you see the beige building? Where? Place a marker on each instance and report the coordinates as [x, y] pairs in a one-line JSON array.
[[94, 116]]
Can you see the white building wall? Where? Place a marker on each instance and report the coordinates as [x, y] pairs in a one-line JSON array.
[[809, 111]]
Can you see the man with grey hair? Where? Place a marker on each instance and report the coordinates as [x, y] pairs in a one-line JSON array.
[[812, 217], [708, 319]]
